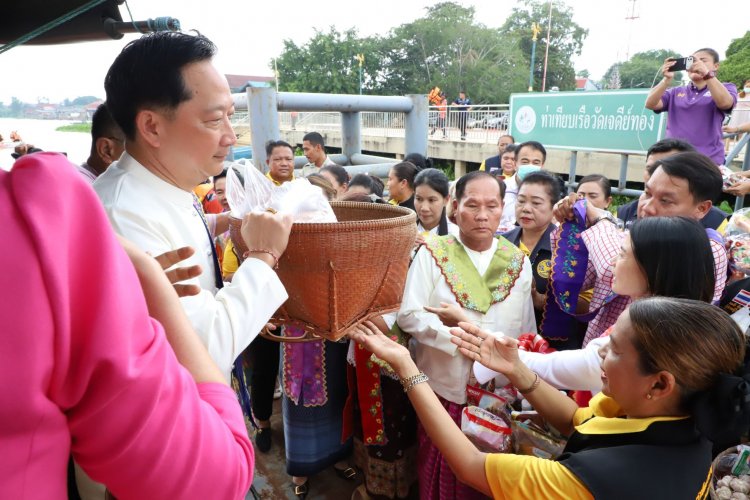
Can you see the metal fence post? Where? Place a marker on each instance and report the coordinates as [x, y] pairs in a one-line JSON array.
[[351, 135], [572, 170], [623, 180], [264, 122], [415, 122]]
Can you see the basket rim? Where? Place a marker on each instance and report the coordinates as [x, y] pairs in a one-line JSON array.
[[406, 216]]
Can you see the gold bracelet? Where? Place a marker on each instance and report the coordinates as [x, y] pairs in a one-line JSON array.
[[410, 382], [533, 386]]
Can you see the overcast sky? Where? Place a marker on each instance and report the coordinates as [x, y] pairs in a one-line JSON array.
[[249, 34]]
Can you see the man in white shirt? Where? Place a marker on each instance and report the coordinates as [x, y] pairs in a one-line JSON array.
[[174, 108], [315, 151], [475, 277]]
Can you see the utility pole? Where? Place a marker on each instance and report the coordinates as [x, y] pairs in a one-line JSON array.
[[535, 30], [632, 17]]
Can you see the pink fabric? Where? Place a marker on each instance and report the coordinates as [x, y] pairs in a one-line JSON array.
[[436, 479], [83, 367]]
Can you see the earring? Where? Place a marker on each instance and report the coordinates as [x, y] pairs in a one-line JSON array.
[[648, 396]]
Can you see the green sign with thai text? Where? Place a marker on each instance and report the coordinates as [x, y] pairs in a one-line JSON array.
[[612, 121]]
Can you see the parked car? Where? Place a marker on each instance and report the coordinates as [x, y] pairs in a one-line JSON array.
[[497, 122]]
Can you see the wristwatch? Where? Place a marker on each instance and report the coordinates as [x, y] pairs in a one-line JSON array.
[[606, 216], [709, 75]]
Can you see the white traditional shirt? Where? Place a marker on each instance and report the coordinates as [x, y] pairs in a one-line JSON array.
[[157, 217], [436, 355]]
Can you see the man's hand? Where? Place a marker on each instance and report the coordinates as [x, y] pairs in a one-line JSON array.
[[178, 274], [665, 68], [563, 209], [450, 314], [739, 188], [699, 67], [266, 231]]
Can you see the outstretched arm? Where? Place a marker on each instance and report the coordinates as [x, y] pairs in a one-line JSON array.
[[464, 459]]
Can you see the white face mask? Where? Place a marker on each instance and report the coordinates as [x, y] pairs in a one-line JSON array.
[[746, 90]]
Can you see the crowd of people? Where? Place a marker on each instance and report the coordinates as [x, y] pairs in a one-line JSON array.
[[133, 346]]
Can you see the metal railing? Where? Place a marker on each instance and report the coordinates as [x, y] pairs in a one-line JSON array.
[[483, 123]]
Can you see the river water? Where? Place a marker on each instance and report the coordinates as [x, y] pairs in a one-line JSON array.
[[42, 134]]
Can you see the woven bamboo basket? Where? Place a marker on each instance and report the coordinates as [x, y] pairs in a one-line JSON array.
[[339, 274]]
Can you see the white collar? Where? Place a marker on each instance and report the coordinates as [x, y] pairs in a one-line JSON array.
[[164, 189]]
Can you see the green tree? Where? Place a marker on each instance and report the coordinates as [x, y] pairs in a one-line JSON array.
[[642, 69], [736, 67], [327, 63], [565, 40], [450, 49], [16, 107]]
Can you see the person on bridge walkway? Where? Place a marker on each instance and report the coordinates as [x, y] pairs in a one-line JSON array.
[[462, 105], [315, 151]]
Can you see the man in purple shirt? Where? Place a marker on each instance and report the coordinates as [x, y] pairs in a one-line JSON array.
[[697, 110]]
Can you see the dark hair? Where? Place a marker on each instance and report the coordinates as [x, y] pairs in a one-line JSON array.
[[714, 55], [533, 145], [271, 145], [552, 182], [371, 183], [475, 175], [701, 173], [406, 171], [510, 148], [103, 125], [506, 135], [601, 180], [704, 349], [225, 171], [314, 138], [148, 74], [675, 255], [666, 145], [418, 161], [362, 198], [338, 172], [434, 179]]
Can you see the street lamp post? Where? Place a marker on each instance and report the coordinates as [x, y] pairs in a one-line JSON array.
[[535, 30], [546, 50]]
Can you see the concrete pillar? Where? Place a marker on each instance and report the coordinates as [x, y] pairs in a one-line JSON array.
[[415, 123], [459, 167], [264, 122], [351, 136]]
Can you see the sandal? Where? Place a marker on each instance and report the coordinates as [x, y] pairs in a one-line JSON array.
[[301, 490], [350, 474]]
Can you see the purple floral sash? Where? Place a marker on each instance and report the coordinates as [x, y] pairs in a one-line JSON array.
[[303, 369], [570, 259]]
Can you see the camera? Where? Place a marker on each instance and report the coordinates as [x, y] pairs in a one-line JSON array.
[[682, 64]]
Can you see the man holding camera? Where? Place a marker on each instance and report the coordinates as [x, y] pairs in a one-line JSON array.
[[697, 110]]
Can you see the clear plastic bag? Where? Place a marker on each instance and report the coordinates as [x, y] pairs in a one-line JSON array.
[[303, 201], [487, 431], [737, 234]]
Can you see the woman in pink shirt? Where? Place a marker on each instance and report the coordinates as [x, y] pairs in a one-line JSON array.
[[87, 372]]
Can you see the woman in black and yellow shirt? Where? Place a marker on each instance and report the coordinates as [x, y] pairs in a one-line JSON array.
[[672, 371]]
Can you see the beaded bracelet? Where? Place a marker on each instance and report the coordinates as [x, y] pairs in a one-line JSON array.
[[410, 382], [262, 250], [533, 386]]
